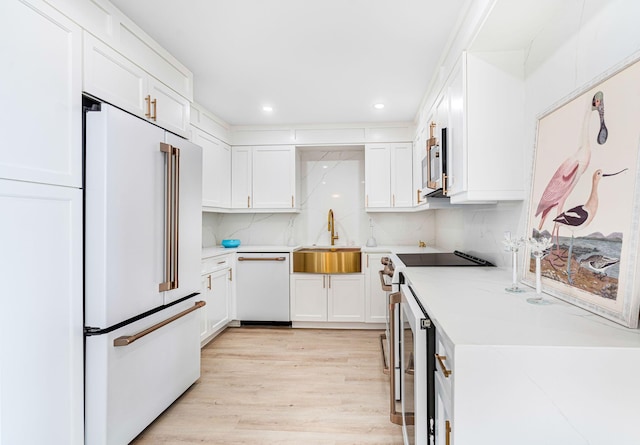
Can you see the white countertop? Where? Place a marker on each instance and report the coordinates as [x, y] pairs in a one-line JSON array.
[[208, 252], [472, 307], [219, 250]]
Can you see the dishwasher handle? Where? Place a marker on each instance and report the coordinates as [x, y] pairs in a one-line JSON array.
[[277, 258]]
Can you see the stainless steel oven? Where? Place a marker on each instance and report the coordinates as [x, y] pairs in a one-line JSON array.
[[417, 365]]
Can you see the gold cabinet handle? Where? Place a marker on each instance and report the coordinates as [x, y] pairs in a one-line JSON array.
[[209, 285], [292, 201], [248, 202], [447, 427], [148, 101], [154, 103], [230, 274], [329, 279], [419, 197], [445, 371], [445, 192], [126, 340], [393, 200], [276, 258]]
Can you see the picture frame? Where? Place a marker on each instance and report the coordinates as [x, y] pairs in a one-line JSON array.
[[585, 195]]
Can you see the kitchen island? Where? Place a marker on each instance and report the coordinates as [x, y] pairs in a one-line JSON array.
[[523, 373]]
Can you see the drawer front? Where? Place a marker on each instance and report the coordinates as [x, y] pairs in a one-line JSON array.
[[215, 263], [129, 386], [444, 361]]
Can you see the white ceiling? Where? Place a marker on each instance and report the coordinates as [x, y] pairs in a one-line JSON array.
[[314, 62]]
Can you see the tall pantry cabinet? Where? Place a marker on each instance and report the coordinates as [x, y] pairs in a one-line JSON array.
[[41, 326]]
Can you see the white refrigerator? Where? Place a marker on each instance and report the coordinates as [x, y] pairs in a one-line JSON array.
[[143, 193]]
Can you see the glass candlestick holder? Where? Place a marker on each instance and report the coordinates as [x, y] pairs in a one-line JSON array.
[[540, 247], [514, 244]]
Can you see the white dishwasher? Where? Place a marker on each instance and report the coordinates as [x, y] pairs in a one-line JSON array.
[[262, 288]]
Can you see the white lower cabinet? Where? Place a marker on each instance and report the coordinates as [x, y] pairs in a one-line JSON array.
[[444, 376], [375, 297], [217, 293], [444, 426], [318, 297]]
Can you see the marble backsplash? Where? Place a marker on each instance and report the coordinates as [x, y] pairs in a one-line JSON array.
[[329, 179]]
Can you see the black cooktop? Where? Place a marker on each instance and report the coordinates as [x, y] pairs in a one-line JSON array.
[[448, 259]]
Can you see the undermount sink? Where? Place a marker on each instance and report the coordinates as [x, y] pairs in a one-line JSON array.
[[330, 260]]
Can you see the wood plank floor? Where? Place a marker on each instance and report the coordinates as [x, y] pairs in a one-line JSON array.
[[283, 386]]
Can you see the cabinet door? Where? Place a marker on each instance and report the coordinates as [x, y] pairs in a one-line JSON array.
[[218, 314], [456, 146], [111, 77], [375, 297], [170, 111], [345, 297], [377, 175], [216, 170], [206, 287], [240, 177], [41, 326], [273, 177], [401, 175], [444, 426], [308, 297], [40, 95]]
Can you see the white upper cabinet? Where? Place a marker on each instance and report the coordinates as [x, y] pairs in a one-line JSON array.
[[486, 123], [110, 76], [40, 95], [388, 176], [216, 170], [263, 177]]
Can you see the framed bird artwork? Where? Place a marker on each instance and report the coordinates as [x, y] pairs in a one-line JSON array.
[[585, 196]]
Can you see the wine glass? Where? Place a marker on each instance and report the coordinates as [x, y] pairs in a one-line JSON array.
[[540, 247], [514, 244]]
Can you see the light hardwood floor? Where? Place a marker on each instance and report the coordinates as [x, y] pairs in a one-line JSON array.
[[283, 386]]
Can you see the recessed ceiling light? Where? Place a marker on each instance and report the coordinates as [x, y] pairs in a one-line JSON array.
[[378, 106], [267, 108]]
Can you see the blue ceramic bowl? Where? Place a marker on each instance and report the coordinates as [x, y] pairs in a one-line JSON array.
[[230, 242]]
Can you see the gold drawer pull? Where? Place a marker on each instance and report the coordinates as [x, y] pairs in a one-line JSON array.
[[447, 427], [441, 359]]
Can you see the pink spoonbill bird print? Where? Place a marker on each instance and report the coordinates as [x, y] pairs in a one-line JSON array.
[[569, 172]]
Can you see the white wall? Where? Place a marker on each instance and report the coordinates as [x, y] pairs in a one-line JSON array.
[[591, 38], [329, 179]]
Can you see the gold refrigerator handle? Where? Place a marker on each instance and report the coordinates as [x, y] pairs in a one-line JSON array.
[[172, 204], [126, 340], [176, 217]]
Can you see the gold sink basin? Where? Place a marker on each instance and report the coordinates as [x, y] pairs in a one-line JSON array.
[[332, 260]]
